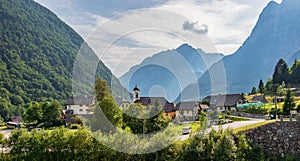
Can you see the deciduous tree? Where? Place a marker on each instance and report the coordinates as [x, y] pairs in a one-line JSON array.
[[33, 113], [107, 116]]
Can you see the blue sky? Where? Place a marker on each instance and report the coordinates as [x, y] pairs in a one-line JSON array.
[[124, 32]]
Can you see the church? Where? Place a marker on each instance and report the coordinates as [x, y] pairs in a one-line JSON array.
[[169, 108]]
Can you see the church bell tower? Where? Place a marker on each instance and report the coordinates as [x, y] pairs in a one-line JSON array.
[[136, 93]]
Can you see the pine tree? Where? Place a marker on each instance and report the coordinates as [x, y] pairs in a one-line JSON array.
[[225, 148], [261, 87], [294, 77], [101, 89], [269, 85], [289, 102], [253, 91], [281, 72]]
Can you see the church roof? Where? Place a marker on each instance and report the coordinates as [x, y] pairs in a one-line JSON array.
[[136, 88]]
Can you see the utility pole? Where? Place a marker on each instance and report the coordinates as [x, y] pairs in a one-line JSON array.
[[275, 101], [144, 128]]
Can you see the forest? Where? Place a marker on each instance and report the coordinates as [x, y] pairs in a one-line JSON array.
[[38, 52]]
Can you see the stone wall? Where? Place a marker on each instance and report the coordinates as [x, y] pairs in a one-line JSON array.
[[279, 138]]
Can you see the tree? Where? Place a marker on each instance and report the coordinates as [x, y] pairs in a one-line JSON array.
[[4, 110], [269, 85], [107, 116], [51, 113], [253, 91], [261, 87], [101, 89], [280, 89], [133, 118], [205, 102], [33, 113], [281, 72], [142, 120], [157, 120], [244, 149], [295, 73], [225, 148], [289, 102]]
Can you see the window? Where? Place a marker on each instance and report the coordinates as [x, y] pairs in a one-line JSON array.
[[80, 110]]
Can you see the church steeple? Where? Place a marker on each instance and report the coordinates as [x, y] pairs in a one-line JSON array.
[[136, 93]]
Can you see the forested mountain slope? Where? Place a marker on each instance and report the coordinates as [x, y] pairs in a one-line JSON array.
[[37, 55]]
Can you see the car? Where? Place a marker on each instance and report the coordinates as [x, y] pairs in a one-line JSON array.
[[186, 130]]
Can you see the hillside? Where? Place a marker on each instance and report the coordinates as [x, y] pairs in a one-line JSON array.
[[276, 35], [172, 70], [38, 52]]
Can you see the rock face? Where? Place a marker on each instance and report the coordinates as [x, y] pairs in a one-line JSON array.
[[279, 138], [172, 70], [276, 35]]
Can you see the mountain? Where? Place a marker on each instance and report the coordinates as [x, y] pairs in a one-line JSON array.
[[168, 72], [38, 53], [276, 35]]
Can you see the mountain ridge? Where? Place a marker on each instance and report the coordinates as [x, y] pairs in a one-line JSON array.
[[274, 36], [175, 69], [38, 52]]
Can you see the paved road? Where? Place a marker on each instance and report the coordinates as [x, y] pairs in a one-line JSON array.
[[230, 125], [239, 124]]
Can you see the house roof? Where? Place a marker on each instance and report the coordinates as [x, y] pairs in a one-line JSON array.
[[187, 105], [80, 100], [119, 101], [203, 106], [259, 99], [228, 100], [16, 119], [169, 107], [151, 100]]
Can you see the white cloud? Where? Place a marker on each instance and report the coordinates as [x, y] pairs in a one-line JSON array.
[[126, 40]]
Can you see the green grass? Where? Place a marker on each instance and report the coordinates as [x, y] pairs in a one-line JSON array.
[[3, 127], [236, 118], [194, 125], [246, 128]]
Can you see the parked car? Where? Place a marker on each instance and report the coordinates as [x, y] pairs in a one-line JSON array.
[[186, 130]]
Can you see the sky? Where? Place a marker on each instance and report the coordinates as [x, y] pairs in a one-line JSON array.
[[124, 32]]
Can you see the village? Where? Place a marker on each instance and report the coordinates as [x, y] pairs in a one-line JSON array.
[[189, 111]]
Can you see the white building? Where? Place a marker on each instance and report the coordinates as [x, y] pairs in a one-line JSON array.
[[81, 105]]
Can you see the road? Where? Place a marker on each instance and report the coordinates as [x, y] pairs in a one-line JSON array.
[[239, 124], [233, 125], [230, 125]]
